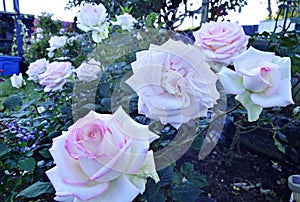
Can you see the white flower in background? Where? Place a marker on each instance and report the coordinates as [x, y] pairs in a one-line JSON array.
[[17, 81], [101, 32], [36, 68], [50, 54], [261, 80], [93, 18], [57, 42], [89, 70], [126, 21]]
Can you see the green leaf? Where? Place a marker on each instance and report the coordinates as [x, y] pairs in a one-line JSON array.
[[279, 145], [3, 149], [166, 176], [27, 164], [157, 197], [185, 192], [37, 189], [12, 101], [187, 169], [45, 153]]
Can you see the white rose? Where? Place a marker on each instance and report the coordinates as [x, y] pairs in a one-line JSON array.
[[91, 16], [17, 81], [126, 21], [89, 70], [56, 42]]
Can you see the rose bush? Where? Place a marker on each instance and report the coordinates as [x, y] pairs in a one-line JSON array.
[[36, 68], [55, 75], [261, 80], [173, 82], [102, 158], [221, 41]]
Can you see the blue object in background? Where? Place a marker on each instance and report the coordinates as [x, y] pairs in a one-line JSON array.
[[10, 65]]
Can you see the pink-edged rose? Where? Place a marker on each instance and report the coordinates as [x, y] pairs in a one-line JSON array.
[[173, 82], [89, 70], [36, 68], [126, 21], [221, 41], [102, 157], [55, 75], [261, 80]]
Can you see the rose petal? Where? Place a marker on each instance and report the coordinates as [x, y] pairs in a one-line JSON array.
[[121, 190], [249, 59], [231, 81], [253, 110], [282, 98], [85, 193], [70, 170]]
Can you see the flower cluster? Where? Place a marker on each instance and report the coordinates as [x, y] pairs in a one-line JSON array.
[[107, 157]]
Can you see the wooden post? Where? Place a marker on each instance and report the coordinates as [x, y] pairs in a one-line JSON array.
[[204, 11]]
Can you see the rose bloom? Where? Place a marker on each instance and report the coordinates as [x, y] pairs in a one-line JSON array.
[[36, 68], [126, 21], [173, 82], [57, 42], [221, 41], [89, 71], [17, 81], [261, 80], [101, 32], [55, 75], [90, 16], [102, 157]]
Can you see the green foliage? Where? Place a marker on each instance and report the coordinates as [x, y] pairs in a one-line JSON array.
[[37, 189]]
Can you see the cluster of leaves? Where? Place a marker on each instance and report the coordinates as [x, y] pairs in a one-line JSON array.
[[28, 125]]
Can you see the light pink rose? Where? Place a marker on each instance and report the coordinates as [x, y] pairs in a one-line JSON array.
[[126, 21], [173, 82], [36, 68], [55, 75], [89, 70], [221, 41], [102, 157], [261, 80]]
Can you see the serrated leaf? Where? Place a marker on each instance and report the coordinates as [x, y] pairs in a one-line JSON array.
[[3, 149], [27, 164], [166, 176], [37, 189]]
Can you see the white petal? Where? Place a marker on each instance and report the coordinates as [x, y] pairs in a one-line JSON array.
[[253, 110], [281, 99], [231, 81]]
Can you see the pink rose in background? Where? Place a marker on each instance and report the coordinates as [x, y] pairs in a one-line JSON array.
[[36, 68], [261, 80], [102, 157], [126, 21], [173, 82], [55, 75], [89, 70], [221, 41]]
